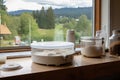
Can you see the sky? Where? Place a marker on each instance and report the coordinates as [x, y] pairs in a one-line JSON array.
[[13, 5]]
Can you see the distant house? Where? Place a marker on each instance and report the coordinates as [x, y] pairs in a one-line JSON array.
[[4, 30]]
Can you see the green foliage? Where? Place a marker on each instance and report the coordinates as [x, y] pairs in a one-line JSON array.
[[71, 24], [28, 27], [74, 12], [45, 34], [42, 19], [59, 33], [50, 18], [12, 23], [62, 20], [34, 29], [2, 6], [51, 34], [45, 19], [24, 28], [84, 26]]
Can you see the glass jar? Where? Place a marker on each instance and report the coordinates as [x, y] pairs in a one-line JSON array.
[[115, 42], [91, 47]]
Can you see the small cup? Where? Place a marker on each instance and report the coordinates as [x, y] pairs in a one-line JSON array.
[[70, 36], [3, 59]]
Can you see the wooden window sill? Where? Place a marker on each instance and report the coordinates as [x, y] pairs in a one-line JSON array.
[[82, 68], [12, 55], [15, 49]]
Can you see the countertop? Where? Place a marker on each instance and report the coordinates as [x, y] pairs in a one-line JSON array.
[[80, 67]]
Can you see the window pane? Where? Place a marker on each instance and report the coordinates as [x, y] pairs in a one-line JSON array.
[[43, 20]]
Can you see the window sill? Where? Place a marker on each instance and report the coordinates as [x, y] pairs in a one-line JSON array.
[[82, 68], [15, 49], [12, 55]]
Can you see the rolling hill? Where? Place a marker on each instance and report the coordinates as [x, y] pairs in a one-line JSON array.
[[69, 12]]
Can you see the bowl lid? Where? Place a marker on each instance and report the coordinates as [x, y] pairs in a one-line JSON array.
[[52, 45]]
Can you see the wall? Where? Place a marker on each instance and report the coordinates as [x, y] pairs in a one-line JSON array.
[[114, 14], [110, 15], [105, 18]]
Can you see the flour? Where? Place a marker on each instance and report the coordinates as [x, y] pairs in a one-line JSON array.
[[92, 51]]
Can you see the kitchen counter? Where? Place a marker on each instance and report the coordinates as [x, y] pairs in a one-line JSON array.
[[82, 68]]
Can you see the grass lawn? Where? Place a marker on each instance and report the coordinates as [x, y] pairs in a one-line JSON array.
[[43, 34]]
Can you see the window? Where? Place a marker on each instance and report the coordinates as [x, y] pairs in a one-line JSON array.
[[50, 22]]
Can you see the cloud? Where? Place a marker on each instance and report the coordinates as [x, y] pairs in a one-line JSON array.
[[13, 5], [65, 3]]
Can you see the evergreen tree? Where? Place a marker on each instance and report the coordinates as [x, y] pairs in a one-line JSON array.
[[37, 16], [2, 11], [42, 19], [45, 19], [50, 18], [2, 6]]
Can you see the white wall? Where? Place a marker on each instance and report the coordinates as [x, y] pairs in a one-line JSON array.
[[105, 20]]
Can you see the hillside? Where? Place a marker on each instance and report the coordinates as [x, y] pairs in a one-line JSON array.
[[69, 12], [74, 12]]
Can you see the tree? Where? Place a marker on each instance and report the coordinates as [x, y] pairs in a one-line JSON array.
[[2, 10], [63, 20], [13, 23], [50, 18], [83, 26], [36, 15], [45, 19], [42, 19], [71, 24], [2, 6], [28, 24]]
